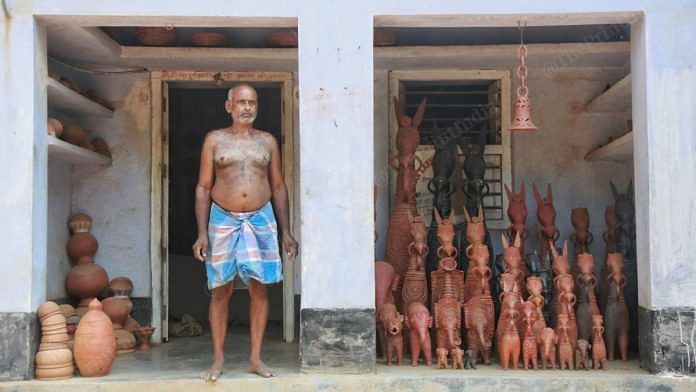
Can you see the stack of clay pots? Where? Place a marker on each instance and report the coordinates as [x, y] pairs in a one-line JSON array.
[[71, 320], [86, 280], [95, 344], [54, 360]]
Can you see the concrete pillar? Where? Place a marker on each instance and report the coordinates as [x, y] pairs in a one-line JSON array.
[[23, 154], [664, 117], [337, 330]]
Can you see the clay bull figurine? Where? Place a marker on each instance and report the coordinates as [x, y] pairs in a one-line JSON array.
[[391, 322]]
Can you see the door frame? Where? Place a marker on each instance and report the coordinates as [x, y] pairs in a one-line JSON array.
[[159, 176]]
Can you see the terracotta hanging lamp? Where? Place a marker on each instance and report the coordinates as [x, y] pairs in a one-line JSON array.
[[522, 113]]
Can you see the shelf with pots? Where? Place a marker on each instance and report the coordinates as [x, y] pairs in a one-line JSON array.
[[70, 101], [71, 153]]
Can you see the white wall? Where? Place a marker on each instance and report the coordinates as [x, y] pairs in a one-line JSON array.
[[57, 262]]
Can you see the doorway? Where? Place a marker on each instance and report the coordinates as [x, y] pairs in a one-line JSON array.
[[190, 109]]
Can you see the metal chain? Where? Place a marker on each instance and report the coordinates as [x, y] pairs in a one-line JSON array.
[[522, 68]]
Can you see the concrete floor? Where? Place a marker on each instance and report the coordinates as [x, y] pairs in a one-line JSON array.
[[175, 366]]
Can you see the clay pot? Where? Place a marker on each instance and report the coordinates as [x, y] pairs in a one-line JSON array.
[[95, 343], [53, 357], [86, 281], [82, 247], [121, 286], [55, 372], [125, 342], [281, 39], [74, 134], [117, 310], [209, 39], [156, 36], [101, 147], [55, 127], [80, 223], [145, 334]]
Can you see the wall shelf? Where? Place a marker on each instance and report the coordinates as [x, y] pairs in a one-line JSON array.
[[619, 150], [616, 99], [67, 152], [66, 100]]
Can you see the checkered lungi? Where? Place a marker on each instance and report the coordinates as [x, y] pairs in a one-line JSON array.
[[244, 243]]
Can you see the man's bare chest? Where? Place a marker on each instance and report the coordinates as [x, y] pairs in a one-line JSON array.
[[241, 152]]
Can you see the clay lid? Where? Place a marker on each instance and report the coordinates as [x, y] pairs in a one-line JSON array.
[[121, 286], [47, 308]]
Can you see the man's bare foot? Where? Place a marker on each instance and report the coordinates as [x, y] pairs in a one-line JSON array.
[[213, 372], [260, 368]]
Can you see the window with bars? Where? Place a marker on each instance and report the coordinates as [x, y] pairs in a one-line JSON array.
[[473, 106]]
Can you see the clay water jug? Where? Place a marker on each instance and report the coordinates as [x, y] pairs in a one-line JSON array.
[[95, 343]]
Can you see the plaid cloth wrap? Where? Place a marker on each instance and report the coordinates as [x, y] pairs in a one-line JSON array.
[[244, 243]]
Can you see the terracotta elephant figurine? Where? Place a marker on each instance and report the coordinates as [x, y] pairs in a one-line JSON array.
[[419, 322], [581, 354], [392, 322], [547, 341], [478, 319]]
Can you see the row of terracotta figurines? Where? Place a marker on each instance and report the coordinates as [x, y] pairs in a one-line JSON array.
[[522, 328]]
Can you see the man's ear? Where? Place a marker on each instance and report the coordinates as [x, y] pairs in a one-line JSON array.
[[228, 106]]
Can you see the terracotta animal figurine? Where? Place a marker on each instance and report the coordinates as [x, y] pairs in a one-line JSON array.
[[392, 323], [566, 306], [475, 229], [445, 234], [616, 320], [457, 358], [581, 354], [599, 350], [534, 288], [565, 348], [547, 347], [475, 186], [529, 344], [517, 212], [479, 312], [507, 334], [419, 323], [447, 291], [547, 219], [407, 141], [441, 358], [609, 237], [514, 262], [586, 298], [581, 237], [386, 282], [415, 288]]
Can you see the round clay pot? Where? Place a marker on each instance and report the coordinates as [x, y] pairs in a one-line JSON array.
[[80, 223], [74, 134], [121, 286], [117, 310], [95, 343], [125, 342], [67, 310], [209, 39], [55, 127], [55, 373], [82, 247], [156, 36], [86, 281]]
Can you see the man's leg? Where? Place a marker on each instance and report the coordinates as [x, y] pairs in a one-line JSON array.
[[217, 315], [258, 314]]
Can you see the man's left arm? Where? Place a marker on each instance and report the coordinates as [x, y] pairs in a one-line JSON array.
[[280, 199]]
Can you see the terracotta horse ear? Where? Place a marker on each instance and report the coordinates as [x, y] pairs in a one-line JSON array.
[[565, 248], [614, 191], [399, 110], [518, 240], [537, 195], [508, 192], [549, 193], [438, 218], [418, 118], [466, 215], [504, 239], [554, 252]]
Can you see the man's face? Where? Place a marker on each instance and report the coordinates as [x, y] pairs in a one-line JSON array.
[[243, 106]]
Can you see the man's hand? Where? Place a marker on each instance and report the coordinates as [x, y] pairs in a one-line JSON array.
[[290, 246], [200, 248]]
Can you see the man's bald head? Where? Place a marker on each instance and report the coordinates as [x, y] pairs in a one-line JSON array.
[[234, 90]]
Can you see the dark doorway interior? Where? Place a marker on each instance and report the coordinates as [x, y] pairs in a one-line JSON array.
[[193, 112]]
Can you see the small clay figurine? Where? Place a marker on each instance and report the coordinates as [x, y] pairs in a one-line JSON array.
[[457, 358], [507, 334], [470, 360], [581, 237], [419, 322], [392, 322], [441, 358], [599, 350], [616, 315], [581, 354], [529, 344], [565, 348], [517, 212], [547, 347]]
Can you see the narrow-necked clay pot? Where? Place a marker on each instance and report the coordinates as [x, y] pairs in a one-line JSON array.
[[117, 310], [95, 343]]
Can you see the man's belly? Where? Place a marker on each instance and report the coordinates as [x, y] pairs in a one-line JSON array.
[[236, 197]]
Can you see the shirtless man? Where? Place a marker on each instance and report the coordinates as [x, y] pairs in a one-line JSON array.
[[240, 175]]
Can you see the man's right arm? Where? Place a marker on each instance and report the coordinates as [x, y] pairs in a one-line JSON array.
[[206, 179]]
